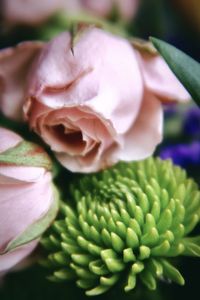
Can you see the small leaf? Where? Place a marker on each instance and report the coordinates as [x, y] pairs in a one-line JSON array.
[[65, 274], [171, 272], [98, 290], [192, 249], [117, 243], [132, 240], [98, 267], [84, 283], [184, 67], [114, 265], [128, 255], [109, 281], [131, 282], [82, 259], [148, 279], [137, 267]]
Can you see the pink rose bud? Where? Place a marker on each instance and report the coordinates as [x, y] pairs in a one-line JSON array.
[[99, 102], [31, 12], [126, 9], [28, 202]]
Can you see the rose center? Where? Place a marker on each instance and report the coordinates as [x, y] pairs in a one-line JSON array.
[[72, 138]]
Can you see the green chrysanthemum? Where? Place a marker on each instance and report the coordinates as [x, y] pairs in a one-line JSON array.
[[125, 223]]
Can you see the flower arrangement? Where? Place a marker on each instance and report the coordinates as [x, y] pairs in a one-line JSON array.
[[93, 123]]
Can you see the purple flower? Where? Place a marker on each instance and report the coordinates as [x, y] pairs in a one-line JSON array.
[[183, 154], [191, 123]]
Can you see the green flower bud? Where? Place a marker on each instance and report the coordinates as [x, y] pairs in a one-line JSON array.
[[126, 223]]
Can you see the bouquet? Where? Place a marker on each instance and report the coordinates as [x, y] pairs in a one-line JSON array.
[[99, 152]]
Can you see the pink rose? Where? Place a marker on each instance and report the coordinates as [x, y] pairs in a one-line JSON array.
[[34, 12], [104, 8], [100, 102], [14, 65], [26, 198], [30, 12]]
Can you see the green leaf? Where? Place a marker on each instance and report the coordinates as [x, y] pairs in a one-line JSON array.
[[26, 154], [184, 67], [36, 229]]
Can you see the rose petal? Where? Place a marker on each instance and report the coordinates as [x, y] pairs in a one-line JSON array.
[[101, 8], [160, 79], [9, 139], [127, 8], [13, 174], [145, 134], [14, 66], [30, 11], [10, 259], [27, 202], [87, 164]]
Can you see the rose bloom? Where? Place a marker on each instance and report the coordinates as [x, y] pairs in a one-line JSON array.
[[95, 104], [26, 196]]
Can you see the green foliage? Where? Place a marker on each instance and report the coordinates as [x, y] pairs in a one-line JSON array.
[[31, 284], [184, 67], [124, 224]]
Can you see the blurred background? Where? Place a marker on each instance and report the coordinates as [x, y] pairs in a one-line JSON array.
[[175, 21]]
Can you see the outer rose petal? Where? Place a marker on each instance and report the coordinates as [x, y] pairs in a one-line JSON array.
[[145, 134], [23, 201], [160, 80], [14, 66], [30, 11], [13, 174], [9, 139], [12, 258], [102, 76]]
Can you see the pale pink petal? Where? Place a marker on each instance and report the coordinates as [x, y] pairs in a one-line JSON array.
[[72, 6], [12, 258], [127, 8], [15, 174], [79, 164], [30, 11], [160, 80], [14, 67], [9, 139], [57, 61], [145, 134], [21, 205], [101, 8]]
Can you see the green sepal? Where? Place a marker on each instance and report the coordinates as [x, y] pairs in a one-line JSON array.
[[26, 154]]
